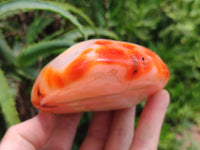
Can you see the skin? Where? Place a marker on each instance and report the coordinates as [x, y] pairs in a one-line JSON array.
[[107, 130]]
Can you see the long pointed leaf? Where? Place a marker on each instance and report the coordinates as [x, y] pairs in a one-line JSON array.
[[75, 34], [30, 55], [13, 7], [36, 27], [5, 50], [7, 103], [77, 11]]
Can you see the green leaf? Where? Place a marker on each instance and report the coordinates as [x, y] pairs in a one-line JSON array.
[[14, 6], [29, 73], [77, 11], [30, 55], [5, 50], [36, 27], [54, 35], [7, 103], [74, 35]]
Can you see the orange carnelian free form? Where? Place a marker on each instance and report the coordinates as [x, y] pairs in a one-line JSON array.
[[98, 75]]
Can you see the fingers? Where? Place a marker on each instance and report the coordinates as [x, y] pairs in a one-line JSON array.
[[121, 131], [63, 135], [58, 132], [103, 134], [148, 129], [97, 132], [31, 134]]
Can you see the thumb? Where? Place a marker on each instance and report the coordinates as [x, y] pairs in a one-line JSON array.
[[31, 134]]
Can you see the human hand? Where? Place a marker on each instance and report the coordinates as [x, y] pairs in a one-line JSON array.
[[108, 130]]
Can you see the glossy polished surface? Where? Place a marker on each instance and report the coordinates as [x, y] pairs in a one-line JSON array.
[[98, 75]]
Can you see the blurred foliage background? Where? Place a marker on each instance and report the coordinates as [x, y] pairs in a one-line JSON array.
[[33, 32]]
